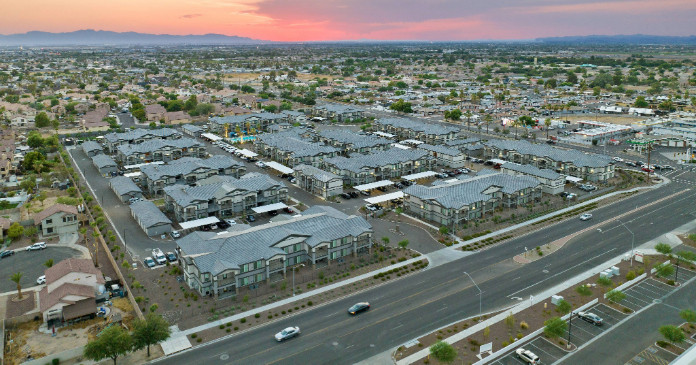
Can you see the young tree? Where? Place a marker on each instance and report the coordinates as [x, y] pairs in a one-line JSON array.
[[664, 270], [604, 281], [15, 231], [150, 331], [41, 120], [663, 248], [615, 296], [688, 315], [111, 343], [403, 243], [672, 334], [510, 322], [385, 240], [555, 327], [444, 230], [443, 352], [563, 307], [16, 277]]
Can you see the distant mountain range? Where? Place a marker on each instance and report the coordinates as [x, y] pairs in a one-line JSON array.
[[89, 37], [622, 39]]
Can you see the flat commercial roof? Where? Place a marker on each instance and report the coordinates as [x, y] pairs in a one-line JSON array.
[[420, 175], [385, 197], [248, 153], [374, 185], [137, 166], [269, 207], [198, 222], [573, 179], [211, 136], [279, 167]]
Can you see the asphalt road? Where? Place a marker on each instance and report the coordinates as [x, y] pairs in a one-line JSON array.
[[408, 308], [30, 264]]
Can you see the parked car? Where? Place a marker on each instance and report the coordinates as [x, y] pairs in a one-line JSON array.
[[345, 196], [630, 163], [251, 218], [667, 167], [590, 317], [7, 253], [571, 196], [223, 224], [175, 234], [261, 164], [365, 192], [288, 210], [273, 213], [159, 257], [230, 221], [442, 175], [527, 356], [618, 159], [648, 170], [373, 208], [292, 180], [171, 256], [287, 333], [359, 307], [354, 194], [586, 217], [149, 262], [41, 280], [37, 246], [398, 186]]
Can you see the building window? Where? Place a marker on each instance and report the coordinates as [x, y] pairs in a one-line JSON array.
[[49, 230], [259, 277], [49, 221], [298, 247], [224, 276]]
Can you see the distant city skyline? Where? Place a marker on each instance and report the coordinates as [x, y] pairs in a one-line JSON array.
[[333, 20]]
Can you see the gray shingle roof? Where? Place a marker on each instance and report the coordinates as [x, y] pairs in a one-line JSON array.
[[220, 185], [417, 126], [90, 146], [466, 192], [123, 185], [192, 128], [148, 215], [465, 141], [355, 139], [102, 161], [578, 158], [216, 253], [241, 119], [338, 108], [186, 165], [317, 173], [531, 170], [153, 145], [139, 133], [291, 141], [357, 162]]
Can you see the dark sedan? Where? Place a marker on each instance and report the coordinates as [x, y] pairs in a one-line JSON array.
[[359, 307]]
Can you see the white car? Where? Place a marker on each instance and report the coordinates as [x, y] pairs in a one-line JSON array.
[[37, 246], [41, 280], [586, 217], [527, 356], [175, 234], [618, 159], [260, 164], [230, 221], [287, 333]]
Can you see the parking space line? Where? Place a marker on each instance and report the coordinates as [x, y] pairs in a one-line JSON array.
[[652, 294], [666, 290], [606, 314], [658, 285], [627, 300], [542, 350], [637, 298], [586, 326]]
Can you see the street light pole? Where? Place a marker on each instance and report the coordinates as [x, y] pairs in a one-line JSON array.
[[570, 326], [676, 272], [633, 239], [480, 293]]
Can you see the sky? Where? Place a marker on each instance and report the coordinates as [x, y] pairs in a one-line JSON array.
[[327, 20]]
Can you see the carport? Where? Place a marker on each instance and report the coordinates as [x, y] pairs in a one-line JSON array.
[[385, 197], [573, 179], [268, 208], [198, 223], [383, 134], [279, 167], [374, 185], [246, 153], [211, 137], [420, 175]]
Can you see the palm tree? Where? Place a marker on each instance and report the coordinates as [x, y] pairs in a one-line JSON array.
[[515, 124], [468, 118], [488, 118], [16, 277], [547, 123]]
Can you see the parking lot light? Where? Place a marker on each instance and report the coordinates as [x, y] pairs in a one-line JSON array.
[[633, 239]]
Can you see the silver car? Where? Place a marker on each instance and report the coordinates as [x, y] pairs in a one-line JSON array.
[[287, 333]]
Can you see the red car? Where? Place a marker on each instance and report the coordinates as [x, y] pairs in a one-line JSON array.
[[648, 170]]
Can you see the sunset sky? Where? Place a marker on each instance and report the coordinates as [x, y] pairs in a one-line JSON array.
[[321, 20]]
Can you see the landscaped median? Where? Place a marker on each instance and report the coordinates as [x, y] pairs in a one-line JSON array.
[[532, 317], [268, 313]]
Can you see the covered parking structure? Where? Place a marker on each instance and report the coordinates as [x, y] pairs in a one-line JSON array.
[[268, 208], [246, 153], [198, 223], [420, 175], [279, 167], [573, 179], [211, 137], [374, 185], [385, 198]]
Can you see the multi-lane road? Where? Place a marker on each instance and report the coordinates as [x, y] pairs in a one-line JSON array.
[[413, 306]]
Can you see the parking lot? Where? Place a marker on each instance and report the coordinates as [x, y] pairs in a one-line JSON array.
[[581, 332], [30, 264]]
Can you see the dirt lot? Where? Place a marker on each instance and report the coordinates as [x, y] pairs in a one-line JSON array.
[[502, 334], [605, 118]]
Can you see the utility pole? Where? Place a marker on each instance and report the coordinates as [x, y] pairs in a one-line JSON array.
[[570, 326]]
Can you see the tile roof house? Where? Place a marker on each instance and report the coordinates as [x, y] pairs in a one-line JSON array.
[[223, 196], [222, 263], [451, 202], [154, 112], [71, 289], [188, 170], [57, 219]]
